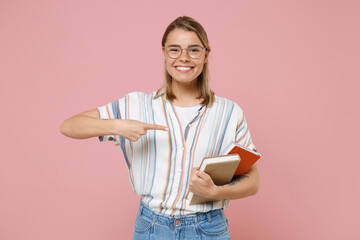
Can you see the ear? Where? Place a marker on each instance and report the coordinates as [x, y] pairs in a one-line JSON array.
[[206, 56]]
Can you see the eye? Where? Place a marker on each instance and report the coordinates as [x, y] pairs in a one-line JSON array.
[[194, 50], [174, 49]]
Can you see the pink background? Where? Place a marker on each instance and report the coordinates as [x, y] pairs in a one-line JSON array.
[[293, 66]]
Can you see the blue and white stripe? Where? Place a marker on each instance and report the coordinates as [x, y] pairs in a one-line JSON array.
[[160, 162]]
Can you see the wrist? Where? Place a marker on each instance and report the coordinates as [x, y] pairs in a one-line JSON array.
[[216, 193], [114, 127]]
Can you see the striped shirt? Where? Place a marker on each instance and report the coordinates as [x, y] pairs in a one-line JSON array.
[[160, 162]]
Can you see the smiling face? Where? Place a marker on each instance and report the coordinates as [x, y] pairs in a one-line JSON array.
[[184, 69]]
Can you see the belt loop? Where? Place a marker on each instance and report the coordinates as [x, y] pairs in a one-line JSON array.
[[140, 208], [209, 217], [197, 224], [152, 224]]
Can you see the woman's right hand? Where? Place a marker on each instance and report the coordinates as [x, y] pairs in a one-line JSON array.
[[133, 129], [88, 124]]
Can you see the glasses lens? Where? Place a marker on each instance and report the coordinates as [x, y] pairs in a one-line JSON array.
[[195, 51], [173, 52]]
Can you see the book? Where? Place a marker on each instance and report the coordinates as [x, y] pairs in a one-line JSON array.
[[248, 157], [220, 168]]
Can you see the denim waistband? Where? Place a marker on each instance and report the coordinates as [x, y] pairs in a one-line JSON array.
[[180, 220]]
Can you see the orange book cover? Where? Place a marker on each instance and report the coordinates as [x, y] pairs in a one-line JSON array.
[[248, 157]]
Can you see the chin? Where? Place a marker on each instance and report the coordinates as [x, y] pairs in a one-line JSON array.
[[184, 80]]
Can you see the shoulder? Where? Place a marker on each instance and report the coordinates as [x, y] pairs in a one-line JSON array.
[[227, 102], [134, 99], [138, 96], [140, 101]]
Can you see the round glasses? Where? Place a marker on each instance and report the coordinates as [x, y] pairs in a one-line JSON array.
[[175, 51]]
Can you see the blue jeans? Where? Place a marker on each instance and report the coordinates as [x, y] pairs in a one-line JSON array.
[[152, 225]]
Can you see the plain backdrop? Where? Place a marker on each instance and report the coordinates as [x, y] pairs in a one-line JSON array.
[[293, 66]]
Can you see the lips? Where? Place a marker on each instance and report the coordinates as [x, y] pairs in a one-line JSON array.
[[183, 69]]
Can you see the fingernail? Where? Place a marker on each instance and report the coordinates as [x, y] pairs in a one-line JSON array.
[[166, 129]]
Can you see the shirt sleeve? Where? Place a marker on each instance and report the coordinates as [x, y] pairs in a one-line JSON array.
[[110, 111], [243, 136], [113, 111]]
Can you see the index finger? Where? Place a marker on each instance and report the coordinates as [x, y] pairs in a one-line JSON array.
[[156, 127]]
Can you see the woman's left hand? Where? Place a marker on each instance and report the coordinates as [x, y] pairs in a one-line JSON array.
[[201, 184]]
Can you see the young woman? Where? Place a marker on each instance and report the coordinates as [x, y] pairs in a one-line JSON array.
[[165, 135]]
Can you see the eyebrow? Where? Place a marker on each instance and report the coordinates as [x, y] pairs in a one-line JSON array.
[[177, 45]]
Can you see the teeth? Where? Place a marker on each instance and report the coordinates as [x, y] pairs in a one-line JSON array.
[[183, 68]]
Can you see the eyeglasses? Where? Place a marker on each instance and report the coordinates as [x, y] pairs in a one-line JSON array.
[[175, 51]]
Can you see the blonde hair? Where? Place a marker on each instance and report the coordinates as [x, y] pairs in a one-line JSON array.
[[190, 24]]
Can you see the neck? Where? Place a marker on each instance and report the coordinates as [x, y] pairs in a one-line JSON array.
[[187, 94]]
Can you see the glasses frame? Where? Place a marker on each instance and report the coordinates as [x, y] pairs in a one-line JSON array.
[[187, 50]]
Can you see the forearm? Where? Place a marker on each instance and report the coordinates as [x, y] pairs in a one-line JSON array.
[[82, 126], [88, 124], [242, 186]]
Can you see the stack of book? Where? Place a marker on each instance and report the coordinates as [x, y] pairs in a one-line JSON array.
[[236, 161]]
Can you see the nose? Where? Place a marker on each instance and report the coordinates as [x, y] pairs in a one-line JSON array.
[[184, 57]]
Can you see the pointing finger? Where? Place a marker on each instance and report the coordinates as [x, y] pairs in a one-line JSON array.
[[156, 127]]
